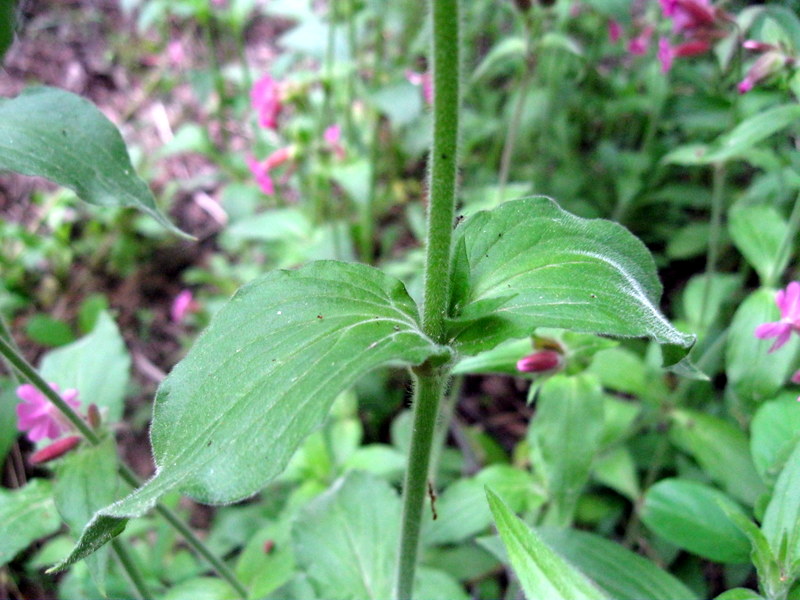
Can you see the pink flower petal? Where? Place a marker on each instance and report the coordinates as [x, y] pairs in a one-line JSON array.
[[783, 337], [796, 377], [771, 330]]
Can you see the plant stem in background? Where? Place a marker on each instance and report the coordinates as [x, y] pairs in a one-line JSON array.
[[131, 570], [430, 381], [717, 202], [32, 376], [516, 117]]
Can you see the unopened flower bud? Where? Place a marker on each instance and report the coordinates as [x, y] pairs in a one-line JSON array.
[[55, 450], [93, 416], [540, 361]]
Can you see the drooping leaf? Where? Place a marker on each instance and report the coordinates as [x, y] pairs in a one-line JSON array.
[[542, 572], [26, 515], [694, 516], [781, 524], [97, 365], [529, 264], [262, 377], [774, 432], [758, 232], [622, 574], [755, 374], [87, 481], [55, 134], [564, 436], [721, 449]]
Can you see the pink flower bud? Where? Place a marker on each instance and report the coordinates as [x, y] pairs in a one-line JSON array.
[[55, 450], [540, 361], [614, 31]]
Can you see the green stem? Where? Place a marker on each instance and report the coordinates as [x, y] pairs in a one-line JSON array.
[[717, 202], [131, 570], [32, 376], [516, 118], [430, 381], [428, 393]]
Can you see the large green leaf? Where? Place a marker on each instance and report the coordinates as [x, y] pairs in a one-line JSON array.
[[694, 516], [721, 449], [60, 136], [564, 437], [262, 377], [622, 574], [97, 365], [755, 374], [542, 572], [87, 481], [26, 515], [529, 264]]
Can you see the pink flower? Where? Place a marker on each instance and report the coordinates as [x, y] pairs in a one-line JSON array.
[[265, 97], [767, 64], [665, 54], [333, 137], [614, 31], [689, 15], [796, 378], [539, 361], [176, 53], [641, 42], [183, 304], [278, 157], [788, 302], [261, 175], [38, 416], [425, 80]]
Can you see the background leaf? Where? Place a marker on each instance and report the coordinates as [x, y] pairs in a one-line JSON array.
[[721, 449], [26, 514], [754, 374], [60, 136], [564, 436], [542, 572], [622, 574], [97, 365], [781, 524], [529, 264], [693, 516], [774, 432], [758, 232], [262, 377], [87, 481]]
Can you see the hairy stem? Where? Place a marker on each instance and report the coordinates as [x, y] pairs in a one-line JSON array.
[[430, 381]]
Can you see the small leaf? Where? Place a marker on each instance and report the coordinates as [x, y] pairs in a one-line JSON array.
[[262, 377], [26, 515], [721, 449], [97, 365], [774, 432], [553, 269], [564, 437], [758, 232], [542, 572], [693, 516], [347, 539], [622, 574], [55, 134]]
